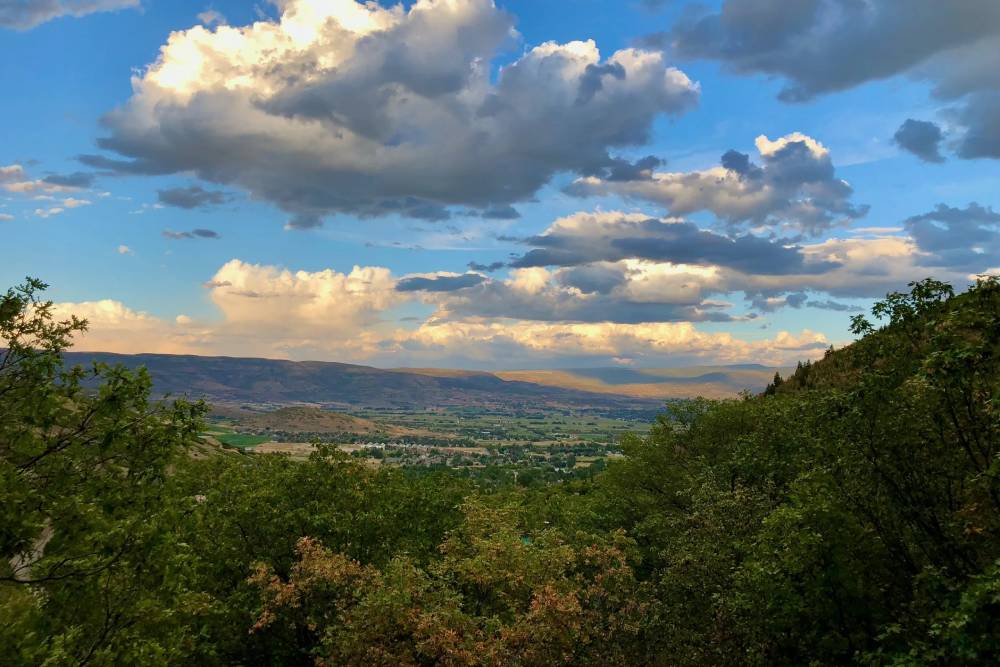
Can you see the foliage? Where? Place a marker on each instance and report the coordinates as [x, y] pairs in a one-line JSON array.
[[82, 478], [849, 514]]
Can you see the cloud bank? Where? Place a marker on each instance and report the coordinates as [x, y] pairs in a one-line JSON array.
[[342, 316], [600, 294]]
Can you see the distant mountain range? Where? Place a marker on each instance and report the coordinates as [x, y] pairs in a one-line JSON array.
[[231, 380], [656, 383]]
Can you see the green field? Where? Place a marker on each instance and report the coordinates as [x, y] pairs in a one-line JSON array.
[[241, 440], [541, 427], [231, 439]]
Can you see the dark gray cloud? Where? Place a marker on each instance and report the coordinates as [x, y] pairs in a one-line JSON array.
[[192, 197], [132, 167], [740, 163], [503, 212], [981, 119], [795, 185], [765, 303], [955, 238], [592, 82], [78, 179], [27, 14], [922, 138], [594, 278], [486, 268], [410, 123], [822, 46], [829, 304], [796, 300], [439, 283], [612, 240], [619, 169], [193, 234]]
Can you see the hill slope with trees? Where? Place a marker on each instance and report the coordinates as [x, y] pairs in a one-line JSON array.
[[850, 514]]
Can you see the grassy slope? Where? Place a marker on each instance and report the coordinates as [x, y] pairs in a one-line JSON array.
[[304, 419], [655, 383]]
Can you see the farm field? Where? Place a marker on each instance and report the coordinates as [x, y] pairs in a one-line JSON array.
[[549, 442]]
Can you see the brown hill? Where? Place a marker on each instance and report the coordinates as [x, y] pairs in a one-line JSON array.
[[240, 381], [654, 383], [306, 419]]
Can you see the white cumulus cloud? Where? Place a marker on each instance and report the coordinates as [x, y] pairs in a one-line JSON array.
[[343, 106]]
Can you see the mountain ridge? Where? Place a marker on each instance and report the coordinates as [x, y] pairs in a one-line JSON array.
[[228, 380]]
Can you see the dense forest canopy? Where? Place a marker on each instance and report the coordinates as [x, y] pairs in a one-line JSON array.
[[849, 514]]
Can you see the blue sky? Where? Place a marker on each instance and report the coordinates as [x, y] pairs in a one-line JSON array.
[[340, 166]]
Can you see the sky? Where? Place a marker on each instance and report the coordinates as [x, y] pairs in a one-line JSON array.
[[518, 184]]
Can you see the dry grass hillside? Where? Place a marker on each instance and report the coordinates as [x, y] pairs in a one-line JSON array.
[[654, 383], [307, 419]]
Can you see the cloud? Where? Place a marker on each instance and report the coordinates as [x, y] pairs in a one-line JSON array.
[[512, 344], [344, 107], [631, 257], [211, 16], [829, 304], [981, 119], [600, 278], [14, 178], [272, 312], [304, 311], [486, 268], [114, 327], [504, 212], [191, 197], [49, 212], [798, 300], [71, 202], [6, 217], [439, 283], [27, 14], [503, 344], [922, 138], [640, 309], [536, 294], [78, 179], [959, 239], [623, 170], [611, 236], [795, 186], [866, 268], [124, 250], [193, 234], [11, 172], [822, 46]]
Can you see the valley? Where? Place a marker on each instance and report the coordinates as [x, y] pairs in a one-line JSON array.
[[548, 445]]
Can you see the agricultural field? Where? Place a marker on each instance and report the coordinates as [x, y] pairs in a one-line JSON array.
[[547, 443], [227, 437]]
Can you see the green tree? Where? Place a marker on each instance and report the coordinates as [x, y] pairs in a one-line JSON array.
[[83, 461]]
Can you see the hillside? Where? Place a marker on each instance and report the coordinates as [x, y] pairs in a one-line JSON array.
[[654, 383], [231, 380], [848, 515], [311, 420]]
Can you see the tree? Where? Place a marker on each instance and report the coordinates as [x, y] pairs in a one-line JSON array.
[[83, 460]]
